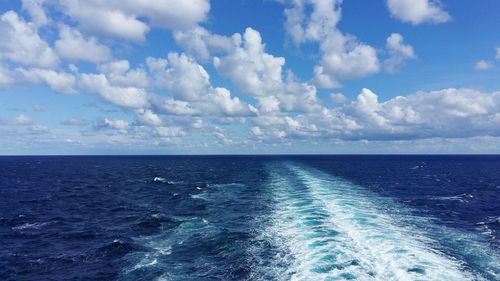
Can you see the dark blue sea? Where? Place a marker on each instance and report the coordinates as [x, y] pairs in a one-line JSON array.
[[250, 218]]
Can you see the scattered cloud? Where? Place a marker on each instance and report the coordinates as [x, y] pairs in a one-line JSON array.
[[122, 96], [338, 98], [75, 122], [36, 11], [39, 129], [418, 11], [131, 20], [73, 46], [22, 44], [202, 44], [343, 55], [259, 74], [174, 100], [61, 82], [22, 119], [398, 51], [115, 124], [448, 113], [483, 65]]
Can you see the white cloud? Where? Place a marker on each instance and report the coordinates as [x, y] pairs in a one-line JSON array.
[[39, 129], [324, 17], [418, 11], [448, 113], [228, 105], [75, 122], [116, 124], [21, 43], [128, 97], [181, 75], [132, 19], [148, 117], [61, 82], [398, 51], [483, 65], [498, 53], [259, 74], [170, 132], [6, 78], [202, 43], [174, 107], [343, 56], [256, 131], [252, 70], [36, 11], [120, 74], [338, 98], [73, 46], [189, 85], [22, 119]]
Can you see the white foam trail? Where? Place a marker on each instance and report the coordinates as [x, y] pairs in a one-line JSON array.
[[334, 230]]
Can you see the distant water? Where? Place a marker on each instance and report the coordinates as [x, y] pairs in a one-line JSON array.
[[250, 218]]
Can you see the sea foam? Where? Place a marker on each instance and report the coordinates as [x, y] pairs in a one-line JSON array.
[[331, 229]]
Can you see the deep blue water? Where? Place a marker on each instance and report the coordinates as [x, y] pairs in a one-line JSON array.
[[250, 218]]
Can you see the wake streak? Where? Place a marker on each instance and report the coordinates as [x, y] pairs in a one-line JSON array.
[[330, 229]]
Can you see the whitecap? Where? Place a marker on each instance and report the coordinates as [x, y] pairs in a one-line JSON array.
[[36, 225]]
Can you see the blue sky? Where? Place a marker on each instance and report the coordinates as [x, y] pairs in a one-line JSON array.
[[227, 76]]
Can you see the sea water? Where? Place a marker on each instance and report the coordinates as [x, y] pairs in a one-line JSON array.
[[250, 218]]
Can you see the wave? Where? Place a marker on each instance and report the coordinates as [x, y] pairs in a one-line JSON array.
[[36, 225], [163, 180]]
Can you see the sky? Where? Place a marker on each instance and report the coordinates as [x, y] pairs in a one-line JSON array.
[[249, 77]]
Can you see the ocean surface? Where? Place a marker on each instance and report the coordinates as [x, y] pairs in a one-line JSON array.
[[250, 218]]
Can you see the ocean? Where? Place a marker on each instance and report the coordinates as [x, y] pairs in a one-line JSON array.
[[250, 218]]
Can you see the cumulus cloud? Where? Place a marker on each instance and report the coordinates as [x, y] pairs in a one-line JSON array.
[[170, 132], [58, 81], [324, 17], [250, 68], [483, 65], [73, 46], [189, 85], [259, 74], [120, 74], [36, 11], [128, 97], [115, 124], [398, 51], [133, 19], [203, 44], [148, 117], [6, 74], [447, 113], [418, 11], [22, 119], [184, 78], [21, 43], [343, 56], [338, 98]]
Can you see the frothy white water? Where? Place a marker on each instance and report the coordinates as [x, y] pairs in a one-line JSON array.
[[331, 229]]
